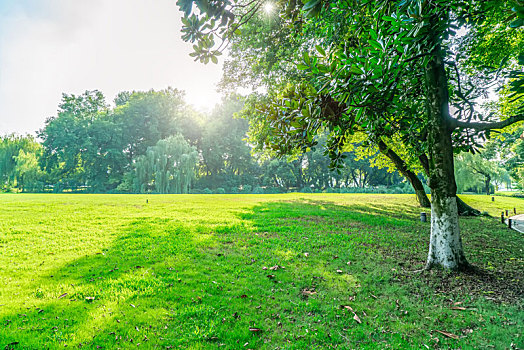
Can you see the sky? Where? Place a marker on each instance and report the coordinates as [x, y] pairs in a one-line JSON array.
[[50, 47]]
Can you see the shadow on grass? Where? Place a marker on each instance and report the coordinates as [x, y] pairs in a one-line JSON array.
[[290, 263], [113, 296], [393, 231]]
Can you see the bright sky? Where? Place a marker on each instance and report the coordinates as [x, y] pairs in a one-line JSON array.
[[48, 47]]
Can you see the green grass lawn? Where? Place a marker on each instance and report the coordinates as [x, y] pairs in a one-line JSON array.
[[292, 271]]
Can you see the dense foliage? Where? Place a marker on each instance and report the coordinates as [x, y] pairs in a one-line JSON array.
[[93, 147], [152, 142]]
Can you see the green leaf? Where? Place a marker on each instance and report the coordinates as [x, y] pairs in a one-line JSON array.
[[356, 70], [320, 50], [519, 22], [310, 4], [521, 59], [519, 10], [214, 59], [375, 44], [305, 56]]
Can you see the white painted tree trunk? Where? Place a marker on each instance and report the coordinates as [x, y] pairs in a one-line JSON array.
[[445, 246]]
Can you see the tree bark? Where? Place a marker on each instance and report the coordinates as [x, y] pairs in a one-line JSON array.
[[463, 208], [445, 247], [408, 174]]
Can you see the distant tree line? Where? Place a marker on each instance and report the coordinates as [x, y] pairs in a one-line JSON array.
[[153, 142]]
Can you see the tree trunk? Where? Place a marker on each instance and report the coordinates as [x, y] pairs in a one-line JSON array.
[[445, 247], [463, 208], [408, 174], [487, 183], [466, 210]]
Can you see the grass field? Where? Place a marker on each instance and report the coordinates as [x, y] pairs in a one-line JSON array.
[[289, 271]]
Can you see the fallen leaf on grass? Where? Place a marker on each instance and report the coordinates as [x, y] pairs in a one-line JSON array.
[[306, 254], [243, 296], [346, 307], [458, 308], [275, 268], [90, 298], [356, 318], [255, 330], [467, 331], [447, 334], [271, 276], [264, 268], [63, 295], [307, 291], [339, 271]]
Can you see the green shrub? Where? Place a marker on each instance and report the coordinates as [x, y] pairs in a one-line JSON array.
[[258, 190]]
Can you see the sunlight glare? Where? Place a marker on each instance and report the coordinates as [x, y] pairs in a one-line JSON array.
[[268, 8]]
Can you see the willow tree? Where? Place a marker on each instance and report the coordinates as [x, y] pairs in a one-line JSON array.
[[394, 68], [167, 167]]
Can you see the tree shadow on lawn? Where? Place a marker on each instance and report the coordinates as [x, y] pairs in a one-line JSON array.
[[394, 231], [121, 296], [286, 268]]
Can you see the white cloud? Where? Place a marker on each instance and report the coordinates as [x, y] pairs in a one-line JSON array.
[[56, 46]]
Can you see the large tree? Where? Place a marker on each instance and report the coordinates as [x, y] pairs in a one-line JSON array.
[[391, 71]]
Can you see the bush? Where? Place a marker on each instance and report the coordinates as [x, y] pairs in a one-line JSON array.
[[306, 189], [246, 188], [274, 190], [258, 190], [207, 191], [220, 190]]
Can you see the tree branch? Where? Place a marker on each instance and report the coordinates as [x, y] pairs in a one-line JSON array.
[[487, 126]]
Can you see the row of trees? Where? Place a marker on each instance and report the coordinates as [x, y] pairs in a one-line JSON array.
[[152, 142]]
